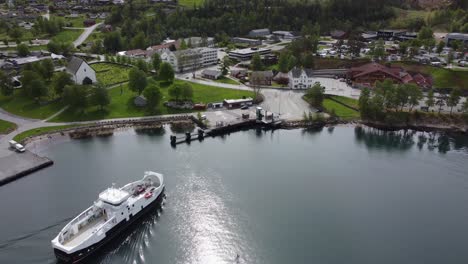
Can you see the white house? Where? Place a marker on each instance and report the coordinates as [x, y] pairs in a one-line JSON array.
[[81, 72], [300, 78], [190, 59]]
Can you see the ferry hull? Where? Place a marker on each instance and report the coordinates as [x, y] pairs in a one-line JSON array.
[[81, 255]]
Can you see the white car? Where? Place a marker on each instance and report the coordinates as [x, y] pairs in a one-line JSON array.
[[20, 148]]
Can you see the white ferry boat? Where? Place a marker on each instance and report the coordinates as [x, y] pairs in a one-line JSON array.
[[115, 210]]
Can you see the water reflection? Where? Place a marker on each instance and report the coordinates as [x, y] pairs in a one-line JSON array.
[[404, 140], [152, 131], [182, 127]]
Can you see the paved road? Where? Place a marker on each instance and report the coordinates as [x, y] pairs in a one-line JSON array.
[[87, 31], [287, 103]]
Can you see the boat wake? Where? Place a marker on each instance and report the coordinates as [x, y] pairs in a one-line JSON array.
[[132, 244], [10, 242]]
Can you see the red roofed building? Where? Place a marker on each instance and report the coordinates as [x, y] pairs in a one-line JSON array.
[[369, 74], [165, 47]]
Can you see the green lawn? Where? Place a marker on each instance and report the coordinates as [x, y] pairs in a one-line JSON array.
[[340, 110], [39, 131], [67, 35], [223, 79], [443, 78], [346, 100], [190, 3], [108, 73], [122, 104], [26, 107], [6, 127]]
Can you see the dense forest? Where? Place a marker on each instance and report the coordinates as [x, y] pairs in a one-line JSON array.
[[141, 24], [236, 18]]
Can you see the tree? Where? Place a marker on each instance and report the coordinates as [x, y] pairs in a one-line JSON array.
[[33, 84], [315, 95], [283, 62], [15, 33], [137, 80], [401, 96], [6, 85], [364, 101], [441, 102], [47, 68], [153, 96], [100, 96], [183, 45], [113, 42], [256, 63], [415, 94], [175, 91], [60, 80], [440, 46], [292, 62], [142, 65], [430, 101], [187, 91], [426, 36], [225, 66], [378, 49], [308, 62], [166, 73], [403, 47], [454, 99], [156, 61], [75, 96], [22, 50], [38, 88]]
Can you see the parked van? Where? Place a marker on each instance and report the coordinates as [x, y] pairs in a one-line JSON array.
[[12, 143]]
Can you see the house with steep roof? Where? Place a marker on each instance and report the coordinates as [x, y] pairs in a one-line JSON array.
[[369, 74], [81, 72], [300, 78]]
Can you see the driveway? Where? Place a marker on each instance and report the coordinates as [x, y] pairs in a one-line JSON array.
[[87, 31]]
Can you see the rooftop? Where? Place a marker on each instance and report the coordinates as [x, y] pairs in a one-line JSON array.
[[114, 196], [249, 50]]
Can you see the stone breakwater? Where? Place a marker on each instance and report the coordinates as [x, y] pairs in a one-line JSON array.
[[107, 128]]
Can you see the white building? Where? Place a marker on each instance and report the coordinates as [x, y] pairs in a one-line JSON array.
[[300, 78], [81, 72], [256, 33], [190, 59]]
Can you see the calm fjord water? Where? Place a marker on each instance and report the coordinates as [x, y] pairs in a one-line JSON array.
[[342, 196]]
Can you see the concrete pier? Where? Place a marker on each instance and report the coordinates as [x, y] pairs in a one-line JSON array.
[[17, 165]]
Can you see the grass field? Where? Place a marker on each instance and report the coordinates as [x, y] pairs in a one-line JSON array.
[[190, 3], [6, 126], [223, 79], [26, 107], [122, 104], [67, 35], [108, 73], [39, 131], [346, 100], [443, 78], [340, 110]]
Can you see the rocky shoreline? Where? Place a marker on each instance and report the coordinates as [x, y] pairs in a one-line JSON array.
[[102, 129], [425, 127]]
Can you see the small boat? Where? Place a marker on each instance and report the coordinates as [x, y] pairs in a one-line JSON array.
[[111, 213]]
